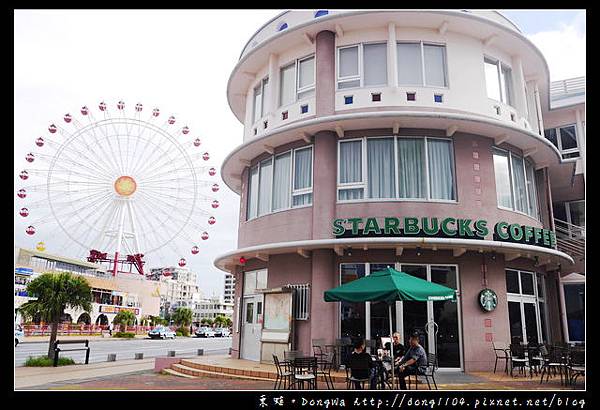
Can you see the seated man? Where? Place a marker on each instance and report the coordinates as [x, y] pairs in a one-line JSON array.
[[413, 362], [361, 365]]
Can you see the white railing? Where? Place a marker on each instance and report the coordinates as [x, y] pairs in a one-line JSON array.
[[570, 238], [567, 88]]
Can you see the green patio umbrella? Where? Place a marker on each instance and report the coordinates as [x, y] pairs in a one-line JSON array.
[[389, 286]]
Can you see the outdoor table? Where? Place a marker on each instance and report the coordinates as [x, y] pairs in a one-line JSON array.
[[382, 371]]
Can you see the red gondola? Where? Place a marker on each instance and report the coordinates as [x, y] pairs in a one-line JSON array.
[[30, 230], [215, 204], [24, 175], [204, 236], [24, 212], [22, 193], [212, 220], [215, 187], [205, 156], [29, 157], [139, 107], [84, 110], [155, 112], [195, 250], [102, 106], [39, 142], [185, 130], [182, 262], [197, 142], [212, 172], [52, 129], [121, 105], [171, 120], [67, 118]]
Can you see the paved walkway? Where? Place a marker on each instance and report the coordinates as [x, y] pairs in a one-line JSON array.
[[27, 377]]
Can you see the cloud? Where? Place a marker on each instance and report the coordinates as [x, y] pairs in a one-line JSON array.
[[564, 48]]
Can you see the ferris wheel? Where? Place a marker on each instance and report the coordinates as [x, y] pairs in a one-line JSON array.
[[120, 186]]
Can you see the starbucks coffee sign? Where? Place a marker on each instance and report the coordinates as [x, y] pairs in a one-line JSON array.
[[444, 228], [488, 300]]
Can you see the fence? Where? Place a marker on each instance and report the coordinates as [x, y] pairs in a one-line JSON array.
[[66, 329]]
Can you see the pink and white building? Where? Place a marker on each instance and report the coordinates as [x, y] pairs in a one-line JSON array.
[[412, 139]]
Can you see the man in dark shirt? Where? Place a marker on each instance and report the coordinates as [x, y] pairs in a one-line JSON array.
[[413, 362], [361, 365]]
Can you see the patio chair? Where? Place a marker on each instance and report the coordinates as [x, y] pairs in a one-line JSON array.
[[318, 346], [284, 374], [536, 361], [517, 358], [554, 359], [352, 368], [305, 371], [502, 352], [290, 355], [576, 366], [324, 369]]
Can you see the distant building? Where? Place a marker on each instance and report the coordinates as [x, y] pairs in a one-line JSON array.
[[110, 294], [211, 308], [229, 288], [180, 287]]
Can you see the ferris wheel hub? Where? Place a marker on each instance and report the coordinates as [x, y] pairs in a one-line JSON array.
[[125, 185]]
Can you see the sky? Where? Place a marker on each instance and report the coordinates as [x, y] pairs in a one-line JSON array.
[[180, 60]]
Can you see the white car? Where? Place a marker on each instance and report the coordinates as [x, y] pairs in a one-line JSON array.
[[161, 332], [19, 334], [205, 332]]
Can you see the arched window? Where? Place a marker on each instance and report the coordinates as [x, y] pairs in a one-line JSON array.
[[282, 26], [320, 13]]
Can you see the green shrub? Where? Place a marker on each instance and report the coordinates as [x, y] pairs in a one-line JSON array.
[[44, 361], [126, 335]]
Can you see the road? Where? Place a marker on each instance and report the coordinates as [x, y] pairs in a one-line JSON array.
[[126, 349]]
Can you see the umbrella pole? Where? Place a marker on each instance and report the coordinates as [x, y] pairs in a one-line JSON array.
[[391, 343]]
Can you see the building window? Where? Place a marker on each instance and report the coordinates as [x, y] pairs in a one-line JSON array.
[[498, 80], [320, 13], [526, 306], [422, 64], [362, 65], [277, 182], [515, 183], [297, 81], [259, 107], [282, 26], [396, 168], [565, 139]]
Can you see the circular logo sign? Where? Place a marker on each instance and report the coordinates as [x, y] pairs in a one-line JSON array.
[[488, 300]]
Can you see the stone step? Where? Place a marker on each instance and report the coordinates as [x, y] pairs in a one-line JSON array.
[[194, 373], [176, 373]]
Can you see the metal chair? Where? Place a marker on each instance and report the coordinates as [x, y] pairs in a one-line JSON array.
[[502, 352], [324, 369], [517, 358], [576, 366], [318, 346], [535, 359], [352, 382], [283, 373], [554, 359], [305, 371], [430, 370]]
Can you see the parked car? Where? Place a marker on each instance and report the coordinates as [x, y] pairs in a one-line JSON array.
[[222, 332], [19, 334], [205, 332], [161, 332]]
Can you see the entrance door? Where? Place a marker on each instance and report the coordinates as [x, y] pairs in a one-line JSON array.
[[252, 327]]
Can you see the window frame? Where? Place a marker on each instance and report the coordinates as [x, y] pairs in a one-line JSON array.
[[510, 154], [359, 76], [422, 45], [535, 299], [365, 177], [509, 91], [291, 192], [297, 90], [261, 85], [559, 141]]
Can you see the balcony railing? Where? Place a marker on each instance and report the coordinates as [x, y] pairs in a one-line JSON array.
[[570, 238], [567, 88]]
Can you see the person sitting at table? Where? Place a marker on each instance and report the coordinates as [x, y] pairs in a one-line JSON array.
[[413, 362], [361, 365]]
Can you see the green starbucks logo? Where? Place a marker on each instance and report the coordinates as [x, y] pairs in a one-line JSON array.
[[488, 300]]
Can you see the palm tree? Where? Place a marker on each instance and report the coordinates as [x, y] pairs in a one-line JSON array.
[[182, 316], [124, 318], [54, 292]]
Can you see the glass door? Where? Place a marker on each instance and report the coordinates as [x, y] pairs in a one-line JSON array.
[[445, 315]]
